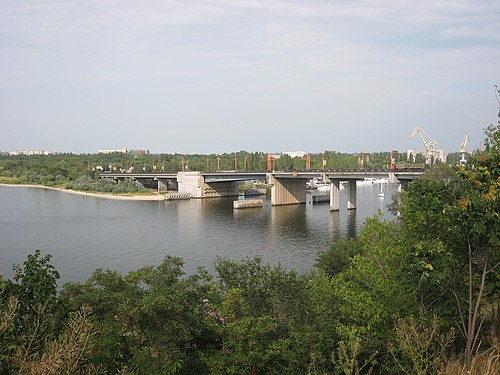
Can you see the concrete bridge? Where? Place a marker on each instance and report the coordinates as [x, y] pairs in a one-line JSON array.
[[287, 187]]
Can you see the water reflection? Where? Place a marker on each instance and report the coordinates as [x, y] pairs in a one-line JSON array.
[[351, 226], [290, 220]]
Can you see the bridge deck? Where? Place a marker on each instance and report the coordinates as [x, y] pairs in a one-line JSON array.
[[333, 174]]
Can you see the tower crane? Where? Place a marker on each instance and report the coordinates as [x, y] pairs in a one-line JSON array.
[[463, 148], [429, 143]]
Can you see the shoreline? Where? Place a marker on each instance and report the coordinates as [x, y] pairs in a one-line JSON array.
[[156, 197]]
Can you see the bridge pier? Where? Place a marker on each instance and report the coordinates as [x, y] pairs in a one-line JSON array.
[[351, 198], [194, 183], [335, 195], [163, 184], [287, 190]]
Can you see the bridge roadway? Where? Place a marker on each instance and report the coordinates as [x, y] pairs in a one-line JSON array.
[[287, 187]]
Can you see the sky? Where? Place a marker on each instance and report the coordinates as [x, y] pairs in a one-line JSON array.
[[194, 76]]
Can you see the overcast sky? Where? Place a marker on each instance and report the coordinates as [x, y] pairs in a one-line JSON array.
[[196, 76]]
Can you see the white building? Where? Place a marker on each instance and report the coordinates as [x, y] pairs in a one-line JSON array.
[[30, 152], [122, 151], [295, 154]]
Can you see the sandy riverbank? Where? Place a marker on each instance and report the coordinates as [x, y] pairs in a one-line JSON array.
[[153, 197]]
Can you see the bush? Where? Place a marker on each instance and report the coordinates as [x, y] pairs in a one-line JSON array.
[[105, 185]]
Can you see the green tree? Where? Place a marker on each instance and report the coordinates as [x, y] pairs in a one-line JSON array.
[[476, 225], [152, 320], [35, 283], [450, 227], [338, 258]]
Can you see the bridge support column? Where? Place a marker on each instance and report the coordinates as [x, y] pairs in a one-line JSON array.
[[287, 190], [162, 185], [190, 183], [194, 183], [351, 200], [392, 178], [335, 195]]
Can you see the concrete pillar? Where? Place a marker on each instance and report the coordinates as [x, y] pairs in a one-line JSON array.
[[287, 190], [162, 184], [335, 195], [190, 183], [194, 184], [351, 199]]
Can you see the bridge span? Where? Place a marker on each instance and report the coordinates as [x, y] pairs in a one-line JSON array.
[[287, 187]]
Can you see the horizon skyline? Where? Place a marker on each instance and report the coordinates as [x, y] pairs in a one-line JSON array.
[[118, 150]]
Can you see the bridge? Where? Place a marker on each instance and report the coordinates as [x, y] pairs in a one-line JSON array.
[[287, 187]]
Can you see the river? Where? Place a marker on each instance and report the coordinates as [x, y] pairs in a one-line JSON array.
[[84, 233]]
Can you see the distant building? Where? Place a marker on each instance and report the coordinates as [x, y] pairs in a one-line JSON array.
[[440, 155], [436, 155], [295, 154], [411, 155], [137, 151], [122, 151], [30, 152]]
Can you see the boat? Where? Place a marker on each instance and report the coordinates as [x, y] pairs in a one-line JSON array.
[[381, 192]]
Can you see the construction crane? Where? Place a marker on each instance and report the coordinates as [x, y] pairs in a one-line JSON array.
[[429, 143], [463, 148]]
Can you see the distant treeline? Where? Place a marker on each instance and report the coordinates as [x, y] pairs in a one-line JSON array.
[[58, 169]]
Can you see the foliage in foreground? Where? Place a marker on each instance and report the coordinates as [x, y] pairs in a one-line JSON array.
[[416, 296]]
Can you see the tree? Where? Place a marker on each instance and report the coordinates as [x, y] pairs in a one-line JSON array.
[[337, 259], [267, 325], [35, 288], [476, 217], [152, 320], [451, 236]]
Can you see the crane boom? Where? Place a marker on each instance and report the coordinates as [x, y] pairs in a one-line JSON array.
[[429, 143], [465, 141]]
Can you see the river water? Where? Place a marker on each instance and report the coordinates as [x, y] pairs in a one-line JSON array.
[[84, 233]]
